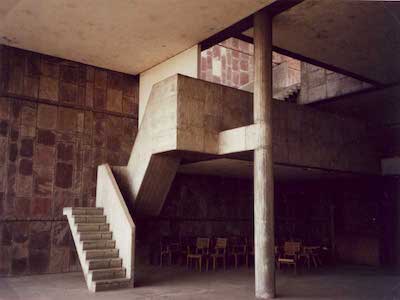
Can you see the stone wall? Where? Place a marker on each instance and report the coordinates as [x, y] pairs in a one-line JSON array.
[[58, 121], [231, 63], [319, 83]]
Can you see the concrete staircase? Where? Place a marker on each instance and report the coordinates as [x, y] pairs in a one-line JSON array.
[[98, 255]]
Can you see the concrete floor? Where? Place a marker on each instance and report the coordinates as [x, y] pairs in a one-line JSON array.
[[177, 283]]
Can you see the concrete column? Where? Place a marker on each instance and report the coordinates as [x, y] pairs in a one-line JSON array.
[[263, 166]]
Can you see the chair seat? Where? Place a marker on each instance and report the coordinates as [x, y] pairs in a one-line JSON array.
[[286, 260], [195, 255]]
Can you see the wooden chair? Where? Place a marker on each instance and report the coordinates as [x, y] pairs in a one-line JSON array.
[[238, 250], [290, 255], [219, 252], [201, 251], [168, 249], [249, 253]]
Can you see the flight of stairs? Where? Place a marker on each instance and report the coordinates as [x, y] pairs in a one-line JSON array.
[[100, 261]]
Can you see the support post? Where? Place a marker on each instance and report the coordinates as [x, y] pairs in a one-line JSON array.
[[263, 165]]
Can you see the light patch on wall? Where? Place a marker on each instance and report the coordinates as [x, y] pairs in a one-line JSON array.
[[217, 68], [391, 166]]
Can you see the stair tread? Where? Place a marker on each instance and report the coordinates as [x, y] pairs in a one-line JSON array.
[[102, 259], [97, 241], [111, 280], [108, 269]]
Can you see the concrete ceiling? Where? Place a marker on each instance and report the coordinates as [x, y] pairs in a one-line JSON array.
[[244, 169], [125, 35], [362, 37]]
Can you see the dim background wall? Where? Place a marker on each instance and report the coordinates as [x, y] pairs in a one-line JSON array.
[[58, 121]]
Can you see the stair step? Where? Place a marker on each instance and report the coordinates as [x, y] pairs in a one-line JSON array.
[[89, 219], [87, 211], [98, 244], [95, 235], [104, 263], [83, 227], [110, 273], [110, 284], [101, 253]]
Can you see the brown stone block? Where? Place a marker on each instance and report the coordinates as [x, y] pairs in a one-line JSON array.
[[65, 152], [28, 115], [89, 94], [62, 199], [80, 121], [67, 119], [5, 234], [59, 260], [39, 261], [41, 207], [114, 100], [22, 207], [90, 73], [24, 186], [7, 206], [32, 65], [50, 68], [48, 88], [61, 234], [26, 147], [100, 79], [64, 174], [99, 156], [81, 97], [74, 265], [131, 85], [4, 109], [3, 128], [5, 260], [114, 125], [11, 178], [31, 87], [16, 81], [68, 92], [20, 231], [99, 100], [129, 106], [47, 116], [28, 131], [19, 266], [25, 167], [88, 122], [39, 235], [69, 74], [43, 181], [44, 156], [3, 151], [46, 137], [115, 80]]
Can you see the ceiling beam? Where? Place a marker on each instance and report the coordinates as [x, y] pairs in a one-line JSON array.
[[274, 8]]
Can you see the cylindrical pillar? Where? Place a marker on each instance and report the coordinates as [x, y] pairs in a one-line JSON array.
[[264, 239]]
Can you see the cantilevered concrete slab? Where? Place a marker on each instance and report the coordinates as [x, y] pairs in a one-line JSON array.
[[188, 120]]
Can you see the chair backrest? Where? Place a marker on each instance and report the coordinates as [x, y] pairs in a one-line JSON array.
[[221, 243], [291, 248], [203, 243]]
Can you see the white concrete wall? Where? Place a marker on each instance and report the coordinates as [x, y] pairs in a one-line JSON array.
[[123, 229], [185, 63]]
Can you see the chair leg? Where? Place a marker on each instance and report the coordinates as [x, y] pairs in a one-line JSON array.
[[200, 264], [295, 268], [187, 262], [224, 263], [236, 261], [170, 258]]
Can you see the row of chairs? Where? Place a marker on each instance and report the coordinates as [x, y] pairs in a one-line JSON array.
[[218, 250]]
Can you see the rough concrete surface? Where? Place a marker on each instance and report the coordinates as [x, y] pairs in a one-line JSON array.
[[347, 282]]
